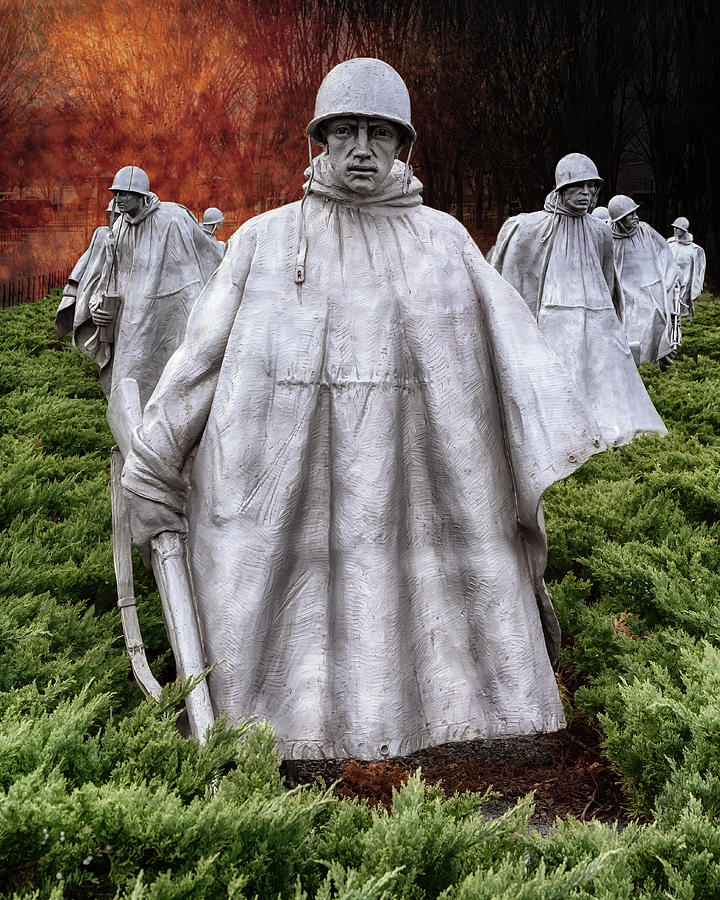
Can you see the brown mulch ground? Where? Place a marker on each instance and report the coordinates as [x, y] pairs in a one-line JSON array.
[[565, 770]]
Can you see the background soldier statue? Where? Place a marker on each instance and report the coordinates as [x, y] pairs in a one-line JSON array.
[[141, 290], [649, 279], [690, 260], [561, 260], [212, 220]]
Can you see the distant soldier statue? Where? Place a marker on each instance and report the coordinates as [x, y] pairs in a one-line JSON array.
[[212, 220], [601, 212], [690, 260], [141, 289], [374, 417], [561, 261], [71, 316], [650, 283]]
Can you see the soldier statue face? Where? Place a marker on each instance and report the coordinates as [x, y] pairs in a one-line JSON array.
[[679, 233], [361, 151], [129, 202], [578, 197], [630, 221]]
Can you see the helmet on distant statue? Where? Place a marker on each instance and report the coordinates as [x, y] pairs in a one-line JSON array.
[[131, 179], [362, 87], [212, 216], [620, 206], [601, 212], [573, 168], [681, 222]]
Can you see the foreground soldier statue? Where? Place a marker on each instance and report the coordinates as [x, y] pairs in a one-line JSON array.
[[561, 261], [690, 260], [650, 284], [71, 316], [374, 417], [139, 292]]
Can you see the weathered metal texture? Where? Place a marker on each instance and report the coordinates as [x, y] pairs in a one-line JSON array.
[[372, 448], [620, 206], [362, 87], [648, 276], [132, 179], [574, 168], [562, 262]]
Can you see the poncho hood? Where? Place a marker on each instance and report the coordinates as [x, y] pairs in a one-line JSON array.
[[686, 238], [150, 207], [554, 203], [390, 194], [622, 231]]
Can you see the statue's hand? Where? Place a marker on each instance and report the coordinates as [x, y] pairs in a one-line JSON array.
[[100, 317], [148, 518]]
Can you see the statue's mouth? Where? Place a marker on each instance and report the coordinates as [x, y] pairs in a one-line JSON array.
[[362, 170]]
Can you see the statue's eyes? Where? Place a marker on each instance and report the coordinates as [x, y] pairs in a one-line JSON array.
[[381, 132], [342, 131]]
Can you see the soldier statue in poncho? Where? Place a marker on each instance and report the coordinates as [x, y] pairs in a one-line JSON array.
[[690, 260], [650, 284], [372, 417], [561, 260], [136, 295]]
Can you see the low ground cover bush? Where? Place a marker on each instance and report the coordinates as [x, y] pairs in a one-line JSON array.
[[101, 797]]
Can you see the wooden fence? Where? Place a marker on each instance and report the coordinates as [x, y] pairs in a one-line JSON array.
[[31, 288]]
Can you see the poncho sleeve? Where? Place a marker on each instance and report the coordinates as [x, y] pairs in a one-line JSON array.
[[176, 414]]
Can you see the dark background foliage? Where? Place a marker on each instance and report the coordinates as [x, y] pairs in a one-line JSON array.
[[212, 99]]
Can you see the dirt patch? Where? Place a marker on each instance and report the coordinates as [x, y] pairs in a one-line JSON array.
[[565, 770]]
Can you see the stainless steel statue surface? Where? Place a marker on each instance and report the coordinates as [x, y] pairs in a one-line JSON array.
[[690, 260], [561, 261], [355, 435], [139, 291], [650, 283]]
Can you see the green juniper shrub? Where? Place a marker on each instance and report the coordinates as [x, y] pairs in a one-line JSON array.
[[101, 796]]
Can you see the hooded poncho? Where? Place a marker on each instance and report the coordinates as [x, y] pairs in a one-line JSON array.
[[363, 510], [561, 262], [648, 275], [690, 260], [162, 260]]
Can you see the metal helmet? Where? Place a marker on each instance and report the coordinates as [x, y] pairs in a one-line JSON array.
[[362, 87], [111, 206], [681, 222], [621, 206], [573, 168], [212, 216], [133, 179], [601, 212]]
